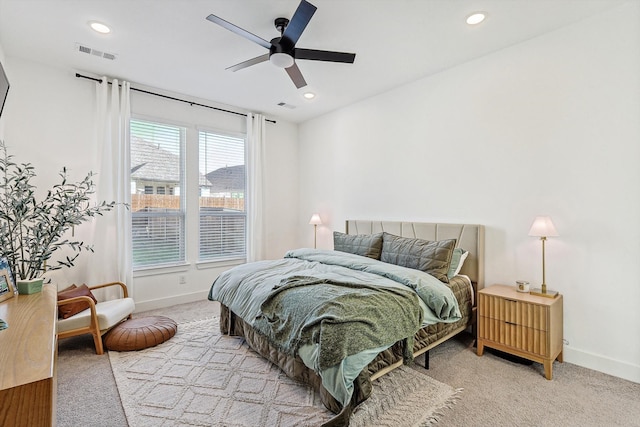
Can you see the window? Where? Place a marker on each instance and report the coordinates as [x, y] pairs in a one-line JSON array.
[[175, 221], [158, 220], [223, 218]]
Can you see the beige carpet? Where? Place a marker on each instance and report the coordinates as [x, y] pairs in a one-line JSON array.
[[201, 378]]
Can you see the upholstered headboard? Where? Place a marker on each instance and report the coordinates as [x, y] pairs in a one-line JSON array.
[[470, 237]]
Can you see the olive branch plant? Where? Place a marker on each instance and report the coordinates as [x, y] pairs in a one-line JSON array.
[[32, 230]]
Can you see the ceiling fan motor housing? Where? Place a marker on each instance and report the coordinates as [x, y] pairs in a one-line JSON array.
[[280, 57]]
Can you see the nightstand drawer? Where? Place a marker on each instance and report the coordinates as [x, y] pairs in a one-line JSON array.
[[514, 312], [513, 335]]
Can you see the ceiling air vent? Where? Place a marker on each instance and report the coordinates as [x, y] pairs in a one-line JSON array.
[[285, 105], [95, 52]]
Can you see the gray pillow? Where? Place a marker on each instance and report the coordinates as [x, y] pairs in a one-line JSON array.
[[433, 257], [369, 245]]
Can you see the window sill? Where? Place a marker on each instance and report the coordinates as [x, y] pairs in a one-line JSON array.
[[204, 265], [157, 270]]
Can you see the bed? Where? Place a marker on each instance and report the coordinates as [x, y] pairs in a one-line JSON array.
[[401, 272]]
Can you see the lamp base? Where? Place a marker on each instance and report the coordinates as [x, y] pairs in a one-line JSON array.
[[548, 293]]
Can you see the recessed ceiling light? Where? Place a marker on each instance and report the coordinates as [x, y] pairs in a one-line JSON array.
[[309, 95], [476, 18], [99, 27]]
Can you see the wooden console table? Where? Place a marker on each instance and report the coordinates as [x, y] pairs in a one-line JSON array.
[[28, 353]]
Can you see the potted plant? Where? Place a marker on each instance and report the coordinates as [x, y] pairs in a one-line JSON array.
[[32, 230]]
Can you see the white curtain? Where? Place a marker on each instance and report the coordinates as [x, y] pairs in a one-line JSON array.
[[112, 232], [256, 240]]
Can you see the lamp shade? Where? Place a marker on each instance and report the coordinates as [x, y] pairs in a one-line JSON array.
[[543, 227], [315, 219]]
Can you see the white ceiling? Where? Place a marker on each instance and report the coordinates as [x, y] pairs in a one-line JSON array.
[[169, 45]]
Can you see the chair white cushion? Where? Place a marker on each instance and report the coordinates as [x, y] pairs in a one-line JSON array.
[[110, 313]]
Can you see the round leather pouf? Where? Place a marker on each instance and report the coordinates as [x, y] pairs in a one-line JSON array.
[[139, 333]]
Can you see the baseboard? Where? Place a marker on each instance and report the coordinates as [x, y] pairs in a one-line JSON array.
[[169, 301], [600, 363]]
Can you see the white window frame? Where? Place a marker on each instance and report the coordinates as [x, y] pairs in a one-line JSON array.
[[189, 200]]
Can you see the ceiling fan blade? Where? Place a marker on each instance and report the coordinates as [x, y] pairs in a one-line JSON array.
[[296, 76], [241, 32], [249, 62], [324, 55], [298, 23]]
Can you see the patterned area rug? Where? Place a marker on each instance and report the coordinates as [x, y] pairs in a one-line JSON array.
[[202, 378]]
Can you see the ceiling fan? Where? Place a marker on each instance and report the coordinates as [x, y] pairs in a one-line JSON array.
[[283, 52]]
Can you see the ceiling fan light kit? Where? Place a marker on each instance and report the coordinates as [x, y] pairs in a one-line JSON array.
[[282, 50], [281, 60]]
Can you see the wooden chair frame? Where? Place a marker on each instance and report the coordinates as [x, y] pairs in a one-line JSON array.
[[94, 326]]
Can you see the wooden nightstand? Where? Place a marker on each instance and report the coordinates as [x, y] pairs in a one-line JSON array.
[[521, 324]]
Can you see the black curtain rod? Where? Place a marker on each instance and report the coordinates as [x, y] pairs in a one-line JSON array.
[[171, 98]]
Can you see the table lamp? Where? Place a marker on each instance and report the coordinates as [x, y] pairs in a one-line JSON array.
[[315, 221], [543, 227]]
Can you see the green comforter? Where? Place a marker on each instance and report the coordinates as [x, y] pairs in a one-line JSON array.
[[336, 310], [343, 318]]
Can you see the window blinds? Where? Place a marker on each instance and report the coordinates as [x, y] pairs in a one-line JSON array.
[[157, 177], [223, 220]]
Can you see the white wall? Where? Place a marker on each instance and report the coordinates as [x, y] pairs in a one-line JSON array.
[[49, 122], [547, 127]]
